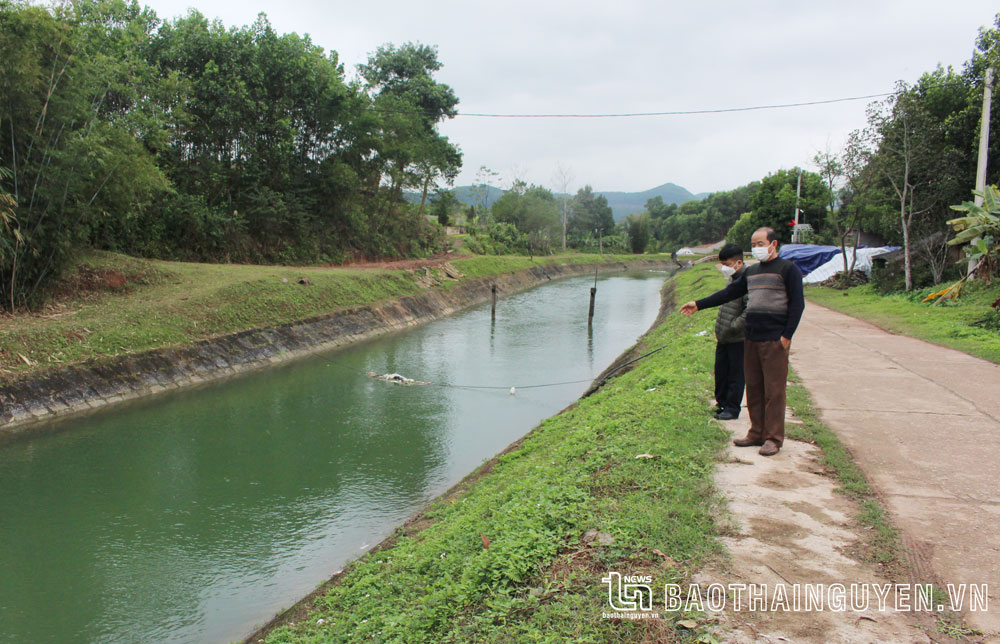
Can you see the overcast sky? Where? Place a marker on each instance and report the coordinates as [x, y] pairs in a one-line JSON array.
[[544, 56]]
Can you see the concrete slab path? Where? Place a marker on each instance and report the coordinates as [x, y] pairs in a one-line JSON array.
[[923, 423], [793, 530]]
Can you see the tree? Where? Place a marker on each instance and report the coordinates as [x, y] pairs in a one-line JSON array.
[[562, 178], [443, 203], [638, 231], [190, 140], [742, 230], [484, 185], [533, 211], [590, 215], [411, 104], [698, 221], [903, 144], [76, 115], [833, 172], [773, 204]]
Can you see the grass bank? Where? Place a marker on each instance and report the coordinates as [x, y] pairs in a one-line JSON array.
[[110, 304], [517, 551], [969, 324]]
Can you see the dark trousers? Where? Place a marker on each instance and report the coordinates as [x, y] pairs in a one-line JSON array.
[[766, 368], [729, 379]]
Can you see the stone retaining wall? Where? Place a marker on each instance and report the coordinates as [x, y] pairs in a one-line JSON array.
[[89, 386]]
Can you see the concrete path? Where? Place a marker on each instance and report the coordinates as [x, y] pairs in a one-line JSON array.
[[923, 423], [792, 529]]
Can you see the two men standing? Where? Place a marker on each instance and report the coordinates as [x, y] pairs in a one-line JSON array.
[[774, 308]]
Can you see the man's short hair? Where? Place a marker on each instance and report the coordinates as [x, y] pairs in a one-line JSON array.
[[729, 251], [771, 235]]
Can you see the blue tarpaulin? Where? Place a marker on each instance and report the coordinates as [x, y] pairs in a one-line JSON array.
[[808, 257]]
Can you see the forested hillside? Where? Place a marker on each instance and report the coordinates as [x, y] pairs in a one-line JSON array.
[[188, 139]]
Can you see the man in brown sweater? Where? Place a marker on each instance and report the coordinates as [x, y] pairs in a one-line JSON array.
[[773, 312]]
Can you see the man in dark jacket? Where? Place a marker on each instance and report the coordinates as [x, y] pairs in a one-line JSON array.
[[773, 313], [729, 382]]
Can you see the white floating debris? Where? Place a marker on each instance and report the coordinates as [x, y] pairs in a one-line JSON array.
[[396, 379], [513, 391]]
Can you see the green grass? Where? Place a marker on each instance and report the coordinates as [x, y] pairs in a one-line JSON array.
[[156, 304], [538, 581], [968, 324]]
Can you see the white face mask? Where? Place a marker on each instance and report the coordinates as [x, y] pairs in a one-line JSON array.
[[761, 253], [727, 270]]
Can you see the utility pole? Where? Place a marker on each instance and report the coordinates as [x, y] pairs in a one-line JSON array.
[[984, 143], [798, 194]]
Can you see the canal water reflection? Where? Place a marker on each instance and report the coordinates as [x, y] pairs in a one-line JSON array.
[[195, 516]]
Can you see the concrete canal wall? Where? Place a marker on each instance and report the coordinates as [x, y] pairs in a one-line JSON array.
[[88, 386]]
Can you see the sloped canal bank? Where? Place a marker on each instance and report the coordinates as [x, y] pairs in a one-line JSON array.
[[193, 515], [256, 324], [620, 481]]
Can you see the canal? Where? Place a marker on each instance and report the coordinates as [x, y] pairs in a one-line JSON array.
[[195, 516]]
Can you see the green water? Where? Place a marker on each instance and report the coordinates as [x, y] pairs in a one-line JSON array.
[[196, 515]]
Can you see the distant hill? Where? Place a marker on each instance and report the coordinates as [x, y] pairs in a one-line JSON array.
[[625, 203], [470, 195], [622, 203]]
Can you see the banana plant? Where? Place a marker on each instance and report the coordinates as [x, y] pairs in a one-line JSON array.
[[979, 229]]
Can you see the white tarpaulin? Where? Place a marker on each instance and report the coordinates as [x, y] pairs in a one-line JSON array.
[[836, 265]]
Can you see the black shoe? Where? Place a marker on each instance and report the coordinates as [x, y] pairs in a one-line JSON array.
[[725, 415]]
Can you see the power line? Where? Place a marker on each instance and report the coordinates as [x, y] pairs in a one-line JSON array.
[[723, 110], [676, 112]]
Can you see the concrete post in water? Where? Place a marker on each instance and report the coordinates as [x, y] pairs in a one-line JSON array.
[[593, 293], [493, 311]]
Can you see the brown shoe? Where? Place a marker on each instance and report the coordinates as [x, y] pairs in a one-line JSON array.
[[747, 442], [770, 448]]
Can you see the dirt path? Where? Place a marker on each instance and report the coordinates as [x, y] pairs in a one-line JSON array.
[[923, 423], [792, 529], [404, 264]]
